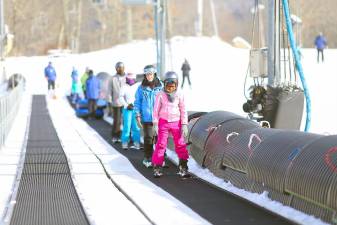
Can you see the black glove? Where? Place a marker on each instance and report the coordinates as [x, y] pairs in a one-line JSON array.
[[130, 107]]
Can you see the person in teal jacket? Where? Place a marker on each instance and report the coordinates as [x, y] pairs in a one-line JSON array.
[[75, 86], [144, 102]]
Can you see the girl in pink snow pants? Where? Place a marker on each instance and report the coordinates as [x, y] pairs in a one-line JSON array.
[[170, 116]]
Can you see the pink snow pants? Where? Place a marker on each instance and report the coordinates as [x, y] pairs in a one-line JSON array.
[[164, 128]]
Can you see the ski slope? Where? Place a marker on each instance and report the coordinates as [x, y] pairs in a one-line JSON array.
[[217, 76]]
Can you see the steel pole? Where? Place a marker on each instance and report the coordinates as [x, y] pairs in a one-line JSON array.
[[2, 24], [199, 24], [162, 38], [2, 38], [273, 42], [214, 21], [156, 29], [129, 30]]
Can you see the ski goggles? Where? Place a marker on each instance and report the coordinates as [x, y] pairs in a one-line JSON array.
[[149, 71], [171, 81]]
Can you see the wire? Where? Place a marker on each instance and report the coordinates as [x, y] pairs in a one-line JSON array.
[[295, 71], [257, 12], [254, 22], [298, 64], [251, 44], [284, 50], [244, 84], [291, 62]]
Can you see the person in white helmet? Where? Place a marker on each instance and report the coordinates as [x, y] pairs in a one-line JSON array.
[[145, 97]]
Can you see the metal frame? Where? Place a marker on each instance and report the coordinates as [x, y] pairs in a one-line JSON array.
[[9, 105]]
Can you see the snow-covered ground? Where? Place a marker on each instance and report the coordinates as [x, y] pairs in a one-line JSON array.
[[3, 88], [217, 76]]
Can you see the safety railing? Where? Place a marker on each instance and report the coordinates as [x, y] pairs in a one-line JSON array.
[[9, 105]]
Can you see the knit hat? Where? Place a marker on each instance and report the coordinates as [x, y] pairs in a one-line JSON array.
[[130, 78], [131, 75]]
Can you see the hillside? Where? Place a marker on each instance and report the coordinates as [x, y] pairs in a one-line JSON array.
[[85, 25]]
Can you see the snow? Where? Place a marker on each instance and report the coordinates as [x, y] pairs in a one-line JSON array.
[[217, 76], [83, 147], [3, 88]]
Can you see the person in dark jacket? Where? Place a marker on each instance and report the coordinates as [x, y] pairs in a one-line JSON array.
[[185, 68], [92, 92], [143, 106], [320, 43], [50, 75]]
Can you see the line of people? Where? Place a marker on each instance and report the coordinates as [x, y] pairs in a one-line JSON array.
[[156, 107], [88, 86]]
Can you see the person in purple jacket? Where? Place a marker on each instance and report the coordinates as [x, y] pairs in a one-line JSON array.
[[320, 43], [93, 91]]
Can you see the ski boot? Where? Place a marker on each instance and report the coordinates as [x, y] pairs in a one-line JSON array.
[[115, 140], [183, 169], [157, 171], [136, 146], [147, 163], [125, 146]]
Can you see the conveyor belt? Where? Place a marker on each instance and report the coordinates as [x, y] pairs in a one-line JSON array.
[[46, 193], [213, 204]]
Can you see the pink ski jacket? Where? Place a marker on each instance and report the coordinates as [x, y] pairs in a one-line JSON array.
[[170, 111]]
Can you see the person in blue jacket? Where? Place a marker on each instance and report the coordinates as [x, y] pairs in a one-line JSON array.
[[50, 75], [92, 92], [143, 106], [320, 43]]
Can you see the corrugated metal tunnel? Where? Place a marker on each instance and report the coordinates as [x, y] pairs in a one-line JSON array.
[[296, 168]]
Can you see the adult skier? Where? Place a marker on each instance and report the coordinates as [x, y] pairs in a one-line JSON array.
[[145, 97], [320, 43], [117, 82], [185, 68], [50, 75]]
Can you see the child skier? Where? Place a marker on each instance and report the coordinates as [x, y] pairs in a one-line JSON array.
[[75, 86], [169, 115], [145, 96], [127, 98]]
